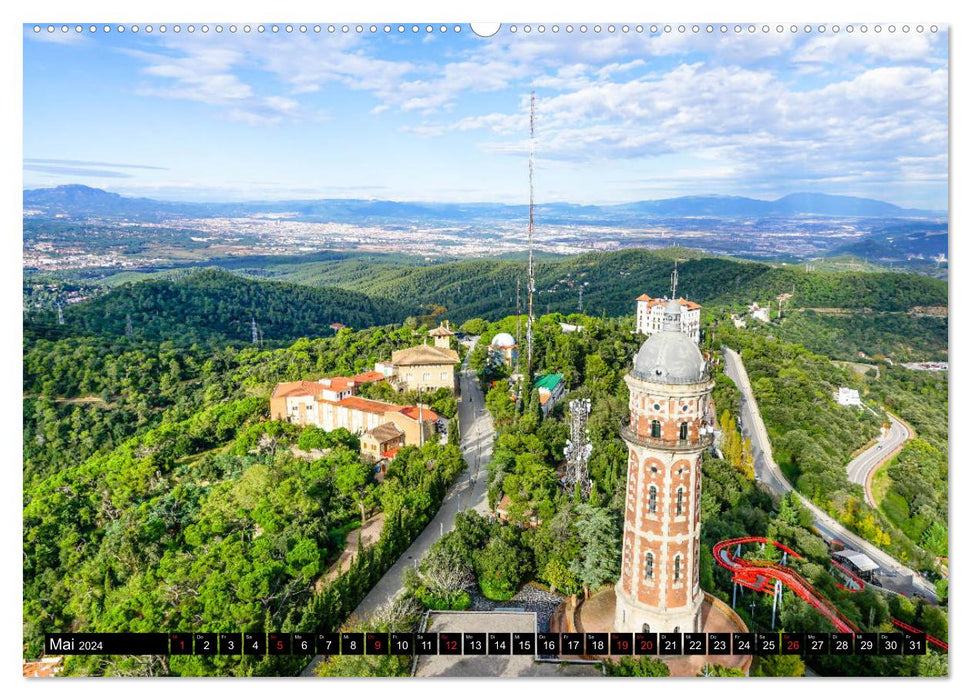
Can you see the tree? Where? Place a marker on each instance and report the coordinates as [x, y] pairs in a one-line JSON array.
[[353, 479], [599, 559], [559, 576], [781, 665], [637, 666], [501, 568], [719, 671]]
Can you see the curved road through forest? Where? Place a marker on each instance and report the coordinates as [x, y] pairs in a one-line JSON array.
[[470, 490], [897, 577], [862, 468]]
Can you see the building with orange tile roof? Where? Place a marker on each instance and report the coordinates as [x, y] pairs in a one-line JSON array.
[[331, 403]]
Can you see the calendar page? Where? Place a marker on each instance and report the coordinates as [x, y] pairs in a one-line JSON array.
[[437, 349]]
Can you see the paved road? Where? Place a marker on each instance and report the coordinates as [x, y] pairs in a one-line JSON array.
[[470, 490], [897, 576], [865, 464]]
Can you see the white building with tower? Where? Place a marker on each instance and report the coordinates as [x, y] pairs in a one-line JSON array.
[[651, 310]]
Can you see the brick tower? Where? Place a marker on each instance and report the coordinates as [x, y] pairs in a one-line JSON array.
[[669, 428]]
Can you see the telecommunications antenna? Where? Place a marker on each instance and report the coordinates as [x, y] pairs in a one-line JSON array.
[[531, 286]]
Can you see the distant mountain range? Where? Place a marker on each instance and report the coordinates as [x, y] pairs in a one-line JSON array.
[[83, 201]]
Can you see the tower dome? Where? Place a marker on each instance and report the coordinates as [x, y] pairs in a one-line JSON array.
[[670, 356], [503, 340]]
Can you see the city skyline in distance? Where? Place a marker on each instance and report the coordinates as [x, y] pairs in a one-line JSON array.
[[443, 116]]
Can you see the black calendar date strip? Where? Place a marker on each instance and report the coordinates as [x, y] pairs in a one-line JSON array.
[[135, 644], [544, 644]]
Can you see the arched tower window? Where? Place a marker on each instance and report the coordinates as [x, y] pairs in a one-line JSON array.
[[652, 499], [680, 506], [649, 565], [655, 428], [684, 431], [677, 568]]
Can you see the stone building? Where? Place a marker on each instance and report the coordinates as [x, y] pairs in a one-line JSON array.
[[382, 442], [425, 367], [670, 426]]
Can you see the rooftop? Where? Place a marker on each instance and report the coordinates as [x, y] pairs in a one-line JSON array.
[[413, 412], [424, 355], [386, 432], [441, 332], [861, 561], [299, 388], [659, 301], [505, 666], [366, 377], [548, 381], [367, 405]]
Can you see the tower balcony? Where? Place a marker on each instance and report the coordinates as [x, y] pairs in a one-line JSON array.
[[702, 442]]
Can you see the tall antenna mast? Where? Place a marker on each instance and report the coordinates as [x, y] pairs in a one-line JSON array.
[[519, 338], [60, 314], [674, 280], [532, 282]]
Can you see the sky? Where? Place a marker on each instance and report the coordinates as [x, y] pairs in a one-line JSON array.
[[444, 116]]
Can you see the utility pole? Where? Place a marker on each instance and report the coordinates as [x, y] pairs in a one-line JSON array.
[[532, 281]]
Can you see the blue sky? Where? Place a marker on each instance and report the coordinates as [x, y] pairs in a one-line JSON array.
[[444, 117]]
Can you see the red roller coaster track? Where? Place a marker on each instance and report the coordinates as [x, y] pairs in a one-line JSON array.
[[905, 626], [761, 576]]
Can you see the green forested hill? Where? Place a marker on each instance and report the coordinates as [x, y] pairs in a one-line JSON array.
[[611, 281], [212, 304], [291, 299]]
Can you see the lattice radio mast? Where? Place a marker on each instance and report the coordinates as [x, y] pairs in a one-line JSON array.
[[578, 448], [129, 330], [531, 287], [60, 314]]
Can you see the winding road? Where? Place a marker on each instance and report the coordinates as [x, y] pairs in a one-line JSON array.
[[896, 576], [862, 468], [470, 490]]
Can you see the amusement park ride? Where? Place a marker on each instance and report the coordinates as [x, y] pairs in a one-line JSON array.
[[769, 577]]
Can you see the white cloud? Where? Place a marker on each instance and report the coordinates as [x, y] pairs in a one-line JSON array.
[[871, 46]]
